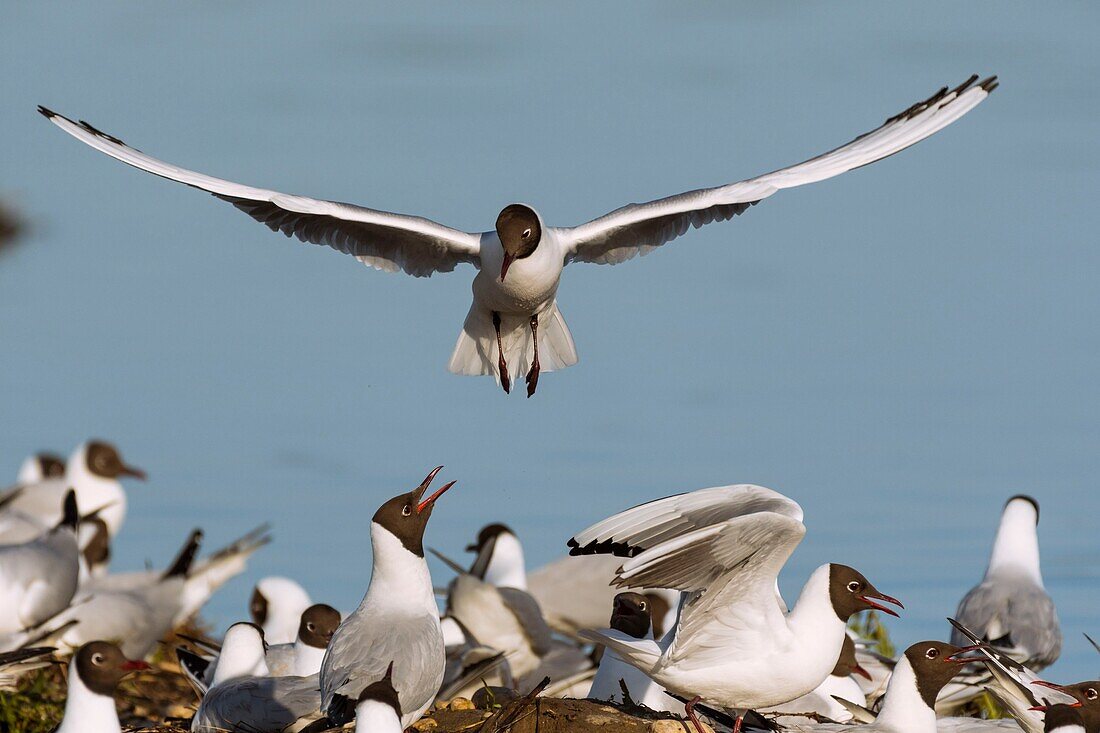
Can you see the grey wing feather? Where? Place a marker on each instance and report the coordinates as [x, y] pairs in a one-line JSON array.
[[258, 704], [362, 649], [1020, 618], [527, 612]]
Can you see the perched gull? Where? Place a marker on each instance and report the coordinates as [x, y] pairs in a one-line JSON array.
[[39, 467], [514, 325], [734, 646], [397, 620], [276, 606], [379, 711], [94, 673], [38, 578], [630, 616], [93, 471], [243, 695], [1010, 609]]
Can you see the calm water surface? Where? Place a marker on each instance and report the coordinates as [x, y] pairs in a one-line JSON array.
[[899, 349]]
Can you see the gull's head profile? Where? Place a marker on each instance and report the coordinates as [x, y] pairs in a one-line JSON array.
[[406, 516], [519, 231]]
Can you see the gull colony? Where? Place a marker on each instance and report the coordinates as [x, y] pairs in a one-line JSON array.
[[670, 609]]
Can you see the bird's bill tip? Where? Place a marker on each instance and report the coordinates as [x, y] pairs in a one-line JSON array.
[[862, 672], [505, 264], [134, 472], [871, 596], [958, 657], [431, 499]]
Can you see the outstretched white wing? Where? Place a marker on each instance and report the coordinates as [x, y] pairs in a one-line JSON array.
[[639, 228], [380, 239]]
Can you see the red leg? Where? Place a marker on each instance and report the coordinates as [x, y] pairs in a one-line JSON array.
[[737, 725], [505, 381], [689, 708], [533, 375]]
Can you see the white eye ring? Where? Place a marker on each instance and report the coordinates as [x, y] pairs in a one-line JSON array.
[[1091, 693], [406, 510], [932, 653], [526, 233], [642, 605], [853, 586], [97, 658]]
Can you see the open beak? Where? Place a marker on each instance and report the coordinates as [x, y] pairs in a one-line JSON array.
[[424, 487], [508, 260], [1060, 688], [133, 472], [133, 665], [874, 594], [861, 672], [958, 658]]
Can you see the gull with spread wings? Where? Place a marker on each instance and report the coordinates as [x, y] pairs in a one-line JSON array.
[[514, 322]]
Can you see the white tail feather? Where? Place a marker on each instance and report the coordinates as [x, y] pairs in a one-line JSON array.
[[476, 350], [641, 653]]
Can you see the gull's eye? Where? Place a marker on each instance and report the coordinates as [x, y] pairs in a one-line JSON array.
[[642, 605], [932, 653], [406, 510], [97, 659], [1091, 693], [527, 233], [854, 586], [310, 626]]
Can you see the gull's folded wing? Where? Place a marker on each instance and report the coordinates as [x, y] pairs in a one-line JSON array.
[[638, 228], [380, 239]]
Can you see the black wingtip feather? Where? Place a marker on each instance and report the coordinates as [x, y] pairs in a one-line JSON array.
[[607, 547], [182, 564], [46, 112]]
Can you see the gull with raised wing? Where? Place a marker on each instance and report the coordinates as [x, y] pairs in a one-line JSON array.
[[735, 645], [514, 322]]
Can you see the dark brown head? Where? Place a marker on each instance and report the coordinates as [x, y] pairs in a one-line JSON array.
[[1062, 716], [103, 460], [630, 614], [519, 231], [257, 607], [488, 534], [847, 664], [382, 691], [98, 550], [50, 465], [934, 663], [406, 516], [1087, 695], [101, 666], [318, 624], [851, 593]]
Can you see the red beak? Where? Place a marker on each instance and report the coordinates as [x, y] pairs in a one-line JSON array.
[[424, 486], [508, 260], [133, 472], [861, 672], [866, 598], [965, 660], [1053, 686], [132, 665]]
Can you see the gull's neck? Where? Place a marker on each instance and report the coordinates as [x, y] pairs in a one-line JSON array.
[[87, 711], [903, 708], [377, 717], [815, 623], [236, 662], [399, 579], [1016, 546], [95, 492], [507, 568], [307, 659]]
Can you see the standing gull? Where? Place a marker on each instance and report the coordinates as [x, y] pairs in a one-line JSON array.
[[1010, 609], [397, 621], [514, 322]]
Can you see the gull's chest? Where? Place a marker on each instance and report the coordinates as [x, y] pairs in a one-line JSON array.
[[530, 286]]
